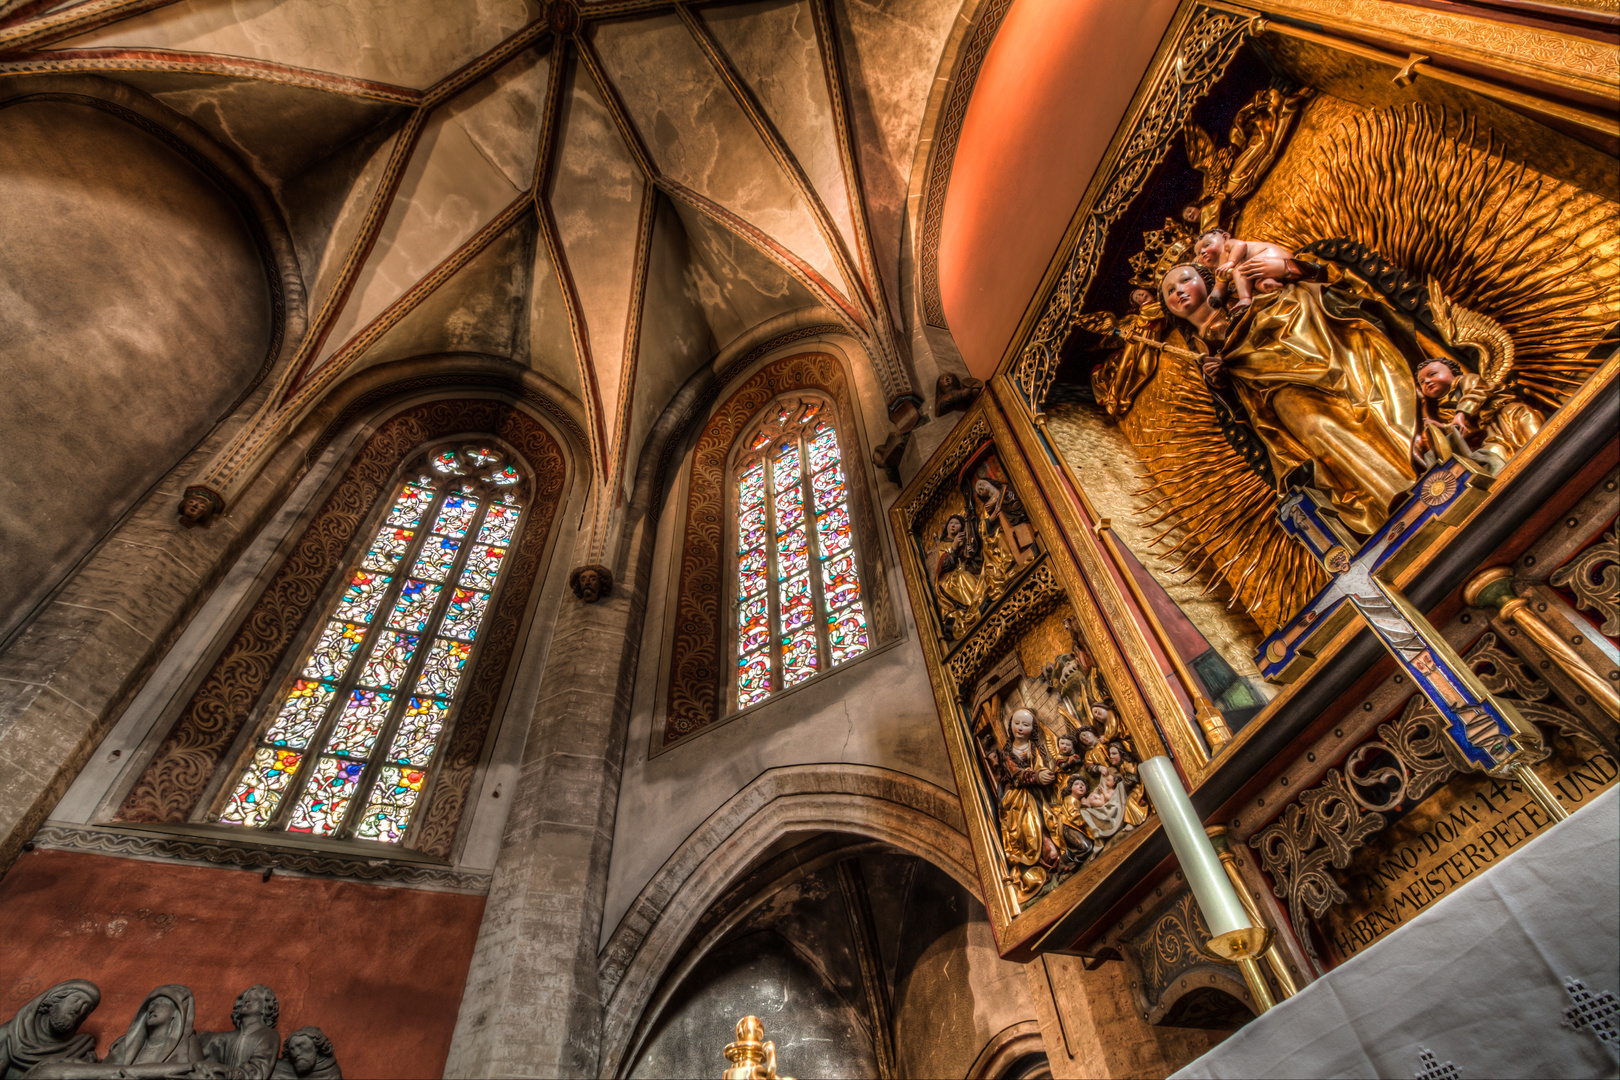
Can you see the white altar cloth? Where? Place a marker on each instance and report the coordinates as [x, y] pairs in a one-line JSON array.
[[1478, 980]]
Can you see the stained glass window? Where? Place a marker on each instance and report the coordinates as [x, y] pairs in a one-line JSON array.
[[348, 749], [798, 605]]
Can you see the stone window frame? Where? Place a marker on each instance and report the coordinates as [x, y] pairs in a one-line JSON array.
[[179, 787], [695, 693]]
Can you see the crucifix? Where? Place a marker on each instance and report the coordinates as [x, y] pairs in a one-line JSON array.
[[1491, 734]]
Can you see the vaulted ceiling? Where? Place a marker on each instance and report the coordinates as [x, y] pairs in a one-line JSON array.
[[608, 192]]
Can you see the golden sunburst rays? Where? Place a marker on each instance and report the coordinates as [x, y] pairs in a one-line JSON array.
[[1536, 254], [1212, 518]]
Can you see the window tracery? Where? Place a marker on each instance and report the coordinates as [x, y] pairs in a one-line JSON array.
[[799, 607], [349, 749]]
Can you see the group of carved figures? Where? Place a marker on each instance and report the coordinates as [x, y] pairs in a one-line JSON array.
[[981, 549], [43, 1040], [1066, 789]]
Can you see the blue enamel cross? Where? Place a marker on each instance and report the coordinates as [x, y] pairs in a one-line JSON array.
[[1491, 734]]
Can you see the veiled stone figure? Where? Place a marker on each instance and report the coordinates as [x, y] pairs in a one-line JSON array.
[[248, 1052], [308, 1055], [47, 1029], [163, 1032]]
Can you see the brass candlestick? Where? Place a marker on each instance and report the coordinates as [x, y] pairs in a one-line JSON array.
[[751, 1057]]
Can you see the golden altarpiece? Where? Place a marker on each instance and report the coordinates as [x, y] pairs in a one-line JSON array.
[[1301, 469]]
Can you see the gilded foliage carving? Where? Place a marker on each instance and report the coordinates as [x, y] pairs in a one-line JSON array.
[[697, 669], [1594, 577], [1034, 597], [173, 783]]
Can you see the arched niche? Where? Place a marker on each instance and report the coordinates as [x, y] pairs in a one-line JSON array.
[[140, 301]]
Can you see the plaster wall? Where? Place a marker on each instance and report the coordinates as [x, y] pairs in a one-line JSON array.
[[1047, 102], [133, 310], [877, 710], [379, 969]]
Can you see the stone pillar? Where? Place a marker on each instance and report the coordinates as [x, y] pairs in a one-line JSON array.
[[533, 1003], [1091, 1026]]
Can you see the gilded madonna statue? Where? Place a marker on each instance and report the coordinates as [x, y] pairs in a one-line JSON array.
[[1322, 381]]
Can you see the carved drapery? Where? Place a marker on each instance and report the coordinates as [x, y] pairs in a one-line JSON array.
[[175, 781], [697, 667]]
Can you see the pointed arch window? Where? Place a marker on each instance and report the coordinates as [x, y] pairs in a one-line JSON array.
[[799, 605], [349, 749]]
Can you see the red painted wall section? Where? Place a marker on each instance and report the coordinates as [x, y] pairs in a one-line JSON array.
[[1051, 92], [380, 970]]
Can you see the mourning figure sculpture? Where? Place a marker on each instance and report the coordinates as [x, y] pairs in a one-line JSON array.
[[47, 1029], [248, 1052], [308, 1055], [161, 1042]]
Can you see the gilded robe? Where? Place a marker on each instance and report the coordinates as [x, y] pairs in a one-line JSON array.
[[1323, 382]]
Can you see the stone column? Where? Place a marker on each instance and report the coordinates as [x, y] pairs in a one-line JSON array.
[[1091, 1027], [533, 1003]]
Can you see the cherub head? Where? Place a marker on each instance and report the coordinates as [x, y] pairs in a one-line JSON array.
[[1186, 288], [1141, 298], [1078, 786], [1089, 738], [1206, 250], [1065, 744], [1101, 714], [1021, 723], [1436, 376]]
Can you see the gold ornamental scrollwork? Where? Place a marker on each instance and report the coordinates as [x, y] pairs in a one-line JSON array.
[[1032, 598], [1206, 47]]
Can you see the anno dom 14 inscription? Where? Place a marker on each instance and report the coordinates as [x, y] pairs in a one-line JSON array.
[[1459, 831]]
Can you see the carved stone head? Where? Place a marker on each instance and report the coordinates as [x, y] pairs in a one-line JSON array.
[[591, 582], [310, 1053], [65, 1006], [198, 506], [258, 1003]]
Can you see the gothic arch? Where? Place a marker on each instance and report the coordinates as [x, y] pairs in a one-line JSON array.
[[861, 800]]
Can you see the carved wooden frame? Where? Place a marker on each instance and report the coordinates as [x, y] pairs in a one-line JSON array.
[[1054, 579], [180, 774]]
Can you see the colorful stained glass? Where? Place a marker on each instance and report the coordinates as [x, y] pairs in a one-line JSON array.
[[823, 447], [506, 475], [437, 555], [799, 656], [753, 679], [751, 529], [386, 664], [446, 463], [499, 522], [357, 725], [418, 732], [442, 671], [388, 548], [408, 509], [483, 563], [753, 626], [846, 633], [791, 554], [256, 797], [455, 516], [832, 530], [828, 484], [751, 488], [811, 410], [839, 583], [326, 796], [796, 604], [785, 472], [415, 605], [465, 612], [388, 810], [359, 601], [789, 508], [300, 714], [761, 437], [330, 657], [751, 573]]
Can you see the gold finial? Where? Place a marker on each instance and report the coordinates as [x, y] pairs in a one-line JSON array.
[[751, 1057]]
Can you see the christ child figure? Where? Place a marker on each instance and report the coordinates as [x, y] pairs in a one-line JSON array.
[[1486, 424], [1242, 267]]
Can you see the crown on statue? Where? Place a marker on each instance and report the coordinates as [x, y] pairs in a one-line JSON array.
[[1161, 249]]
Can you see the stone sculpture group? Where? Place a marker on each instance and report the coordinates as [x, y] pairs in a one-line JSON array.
[[43, 1040]]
